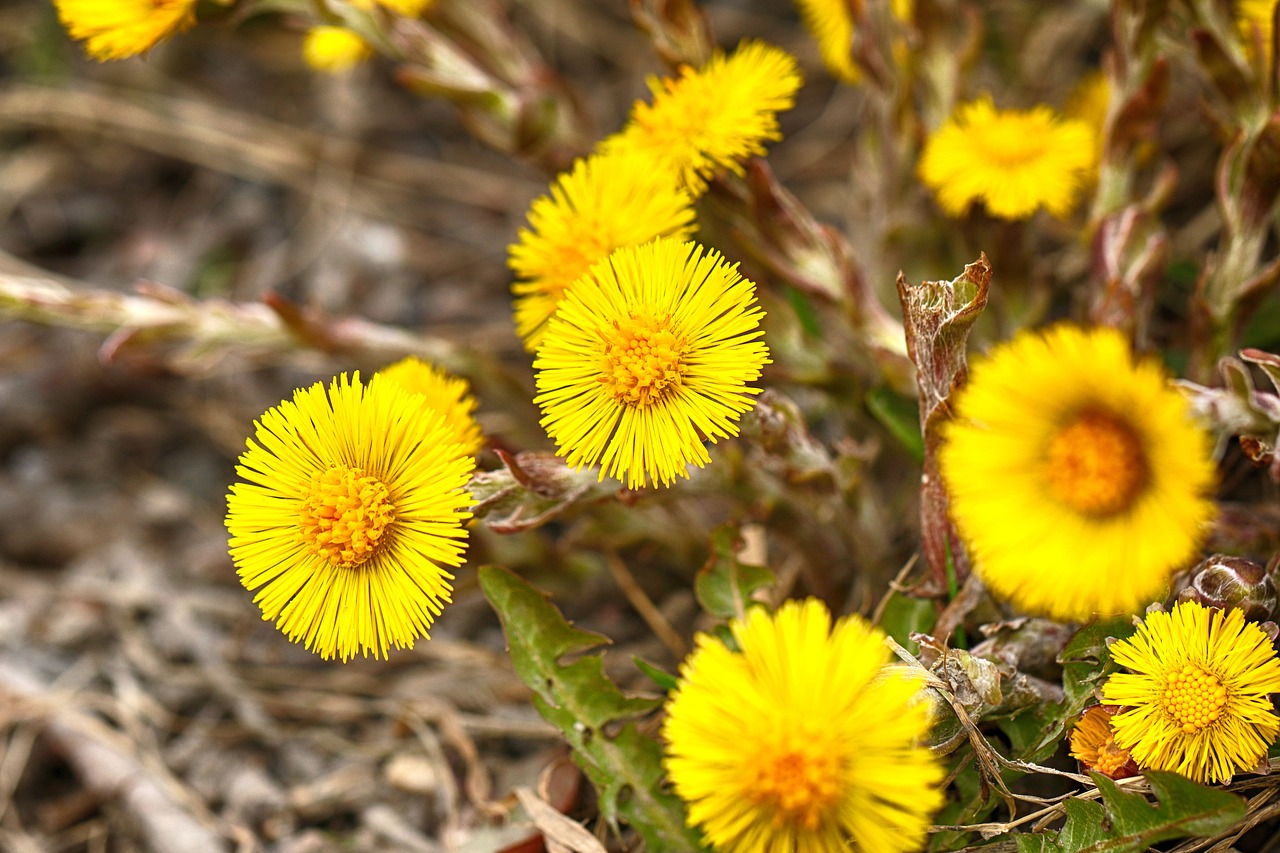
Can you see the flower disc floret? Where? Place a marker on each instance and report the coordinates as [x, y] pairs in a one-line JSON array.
[[1076, 475], [648, 357], [350, 506], [1198, 694], [1014, 162], [802, 738]]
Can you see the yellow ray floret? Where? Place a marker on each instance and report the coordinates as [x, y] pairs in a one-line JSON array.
[[601, 204], [116, 29], [351, 504], [1076, 475], [802, 740], [714, 117], [1199, 694], [831, 23], [448, 395], [1014, 162], [648, 357]]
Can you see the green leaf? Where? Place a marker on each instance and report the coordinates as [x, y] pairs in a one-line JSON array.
[[1126, 822], [904, 614], [724, 585], [900, 416], [595, 717], [660, 677]]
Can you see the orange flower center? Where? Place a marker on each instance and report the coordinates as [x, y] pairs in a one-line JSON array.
[[1193, 698], [642, 360], [1095, 464], [1110, 757], [800, 782], [345, 515]]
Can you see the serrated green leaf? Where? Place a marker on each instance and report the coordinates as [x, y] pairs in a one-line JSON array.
[[1126, 822], [595, 717], [724, 585]]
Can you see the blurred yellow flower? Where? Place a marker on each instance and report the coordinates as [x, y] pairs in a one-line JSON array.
[[407, 8], [116, 29], [831, 23], [1014, 162], [1255, 20], [353, 502], [714, 117], [803, 739], [648, 357], [334, 49], [448, 395], [1076, 475], [1199, 694], [603, 203]]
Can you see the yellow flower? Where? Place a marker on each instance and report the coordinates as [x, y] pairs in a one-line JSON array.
[[714, 117], [353, 502], [803, 741], [1199, 692], [1093, 744], [1014, 162], [603, 203], [1254, 18], [831, 23], [334, 49], [116, 29], [1076, 476], [448, 395], [647, 357]]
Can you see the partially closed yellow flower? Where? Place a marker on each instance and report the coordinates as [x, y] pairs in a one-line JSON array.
[[116, 29], [334, 49]]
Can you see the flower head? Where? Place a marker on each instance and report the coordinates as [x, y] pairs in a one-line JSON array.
[[714, 117], [1255, 20], [1014, 162], [407, 8], [448, 395], [334, 49], [116, 29], [803, 740], [603, 203], [1198, 694], [1076, 475], [831, 23], [1093, 744], [648, 356], [353, 501]]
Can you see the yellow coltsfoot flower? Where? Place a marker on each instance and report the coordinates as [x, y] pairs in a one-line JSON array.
[[802, 739], [334, 50], [714, 117], [1014, 162], [603, 203], [648, 357], [1076, 475], [1093, 744], [1199, 694], [117, 29], [440, 392], [832, 26], [352, 504]]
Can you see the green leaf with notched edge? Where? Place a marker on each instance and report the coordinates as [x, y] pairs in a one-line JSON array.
[[1126, 822], [724, 585], [595, 717]]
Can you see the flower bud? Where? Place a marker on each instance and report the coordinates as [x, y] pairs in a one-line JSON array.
[[1225, 582], [1093, 744]]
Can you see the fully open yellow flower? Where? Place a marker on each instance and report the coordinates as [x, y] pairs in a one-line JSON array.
[[601, 204], [714, 117], [116, 29], [1076, 475], [649, 356], [831, 23], [448, 395], [803, 740], [352, 504], [1199, 694], [1014, 162], [334, 49]]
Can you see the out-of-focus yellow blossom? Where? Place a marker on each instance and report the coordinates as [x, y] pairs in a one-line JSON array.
[[116, 29], [831, 23], [334, 49]]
